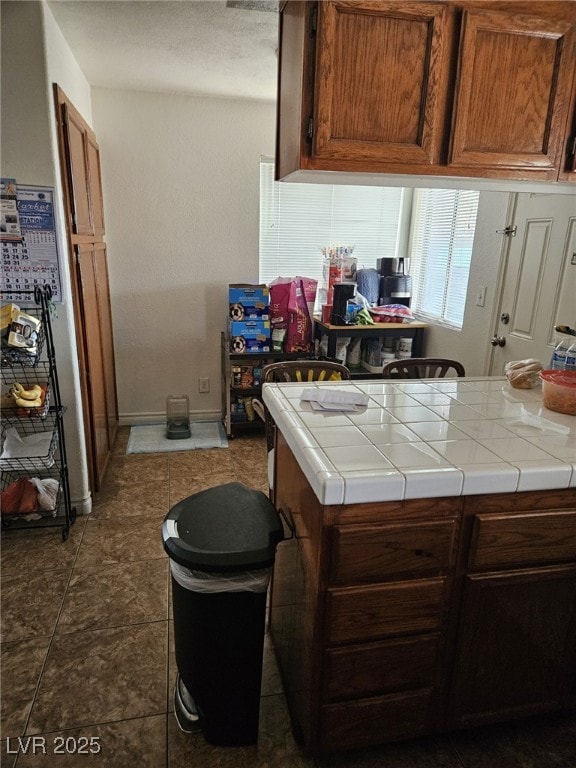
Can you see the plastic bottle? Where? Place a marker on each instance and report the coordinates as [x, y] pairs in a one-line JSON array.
[[571, 358], [558, 362]]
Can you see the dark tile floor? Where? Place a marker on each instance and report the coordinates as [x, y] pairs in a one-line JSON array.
[[87, 645]]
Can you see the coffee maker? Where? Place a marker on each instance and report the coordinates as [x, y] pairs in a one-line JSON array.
[[395, 282]]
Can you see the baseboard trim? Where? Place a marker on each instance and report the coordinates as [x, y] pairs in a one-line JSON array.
[[83, 506], [136, 419]]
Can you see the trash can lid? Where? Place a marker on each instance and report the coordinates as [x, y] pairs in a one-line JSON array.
[[227, 528]]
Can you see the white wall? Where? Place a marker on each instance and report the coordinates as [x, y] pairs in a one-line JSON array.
[[181, 198], [34, 53]]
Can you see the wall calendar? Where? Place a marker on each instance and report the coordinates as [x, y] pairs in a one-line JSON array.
[[30, 255]]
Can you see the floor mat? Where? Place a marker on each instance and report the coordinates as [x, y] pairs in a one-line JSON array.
[[151, 438]]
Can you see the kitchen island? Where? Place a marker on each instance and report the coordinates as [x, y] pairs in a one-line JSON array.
[[430, 581]]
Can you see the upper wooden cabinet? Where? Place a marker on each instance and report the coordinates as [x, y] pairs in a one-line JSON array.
[[387, 107], [456, 88], [512, 93]]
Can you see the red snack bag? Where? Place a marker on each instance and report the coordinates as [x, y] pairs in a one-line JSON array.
[[299, 333], [19, 498]]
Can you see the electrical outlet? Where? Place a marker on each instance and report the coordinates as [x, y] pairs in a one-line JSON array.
[[203, 385]]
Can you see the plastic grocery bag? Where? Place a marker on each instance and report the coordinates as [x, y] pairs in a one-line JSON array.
[[523, 374]]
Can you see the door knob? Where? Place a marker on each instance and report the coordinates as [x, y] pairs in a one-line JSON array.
[[498, 341]]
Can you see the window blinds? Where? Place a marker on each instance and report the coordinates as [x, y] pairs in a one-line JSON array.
[[298, 220], [442, 237]]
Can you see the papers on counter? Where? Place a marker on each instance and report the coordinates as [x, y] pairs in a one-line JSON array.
[[335, 400]]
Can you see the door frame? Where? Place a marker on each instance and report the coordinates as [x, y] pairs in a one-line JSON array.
[[500, 278]]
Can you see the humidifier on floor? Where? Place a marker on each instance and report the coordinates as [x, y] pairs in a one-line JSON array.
[[177, 417]]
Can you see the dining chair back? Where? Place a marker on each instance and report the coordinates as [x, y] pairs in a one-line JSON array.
[[298, 371], [422, 368]]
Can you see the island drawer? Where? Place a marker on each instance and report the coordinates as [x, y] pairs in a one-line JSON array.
[[368, 669], [375, 720], [375, 553], [529, 538], [356, 614]]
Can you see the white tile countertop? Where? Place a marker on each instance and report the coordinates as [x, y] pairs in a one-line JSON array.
[[428, 438]]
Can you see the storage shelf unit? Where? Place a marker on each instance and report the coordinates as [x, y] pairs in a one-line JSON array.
[[229, 360], [413, 330], [48, 459]]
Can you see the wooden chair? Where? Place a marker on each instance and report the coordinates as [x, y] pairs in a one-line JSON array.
[[297, 371], [422, 368]]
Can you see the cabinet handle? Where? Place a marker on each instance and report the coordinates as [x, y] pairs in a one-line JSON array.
[[310, 129], [423, 553], [289, 525], [314, 20]]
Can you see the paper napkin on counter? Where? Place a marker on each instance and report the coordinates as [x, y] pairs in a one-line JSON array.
[[334, 399]]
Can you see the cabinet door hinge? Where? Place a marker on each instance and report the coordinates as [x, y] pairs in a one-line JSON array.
[[314, 20], [571, 154], [310, 129], [509, 230]]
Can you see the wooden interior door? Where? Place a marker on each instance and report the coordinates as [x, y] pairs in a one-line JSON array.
[[81, 176]]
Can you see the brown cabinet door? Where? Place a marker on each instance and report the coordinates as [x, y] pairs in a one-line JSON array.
[[81, 176], [95, 184], [100, 262], [568, 167], [380, 72], [87, 266], [78, 174], [516, 649], [85, 183], [514, 80]]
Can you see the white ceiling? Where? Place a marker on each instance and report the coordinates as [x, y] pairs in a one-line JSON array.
[[209, 47]]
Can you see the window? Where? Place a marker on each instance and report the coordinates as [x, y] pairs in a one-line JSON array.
[[443, 226], [298, 220]]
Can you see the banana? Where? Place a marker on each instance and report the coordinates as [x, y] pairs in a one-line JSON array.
[[27, 394], [21, 403]]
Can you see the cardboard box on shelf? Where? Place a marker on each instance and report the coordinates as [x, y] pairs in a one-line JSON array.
[[248, 302], [249, 336]]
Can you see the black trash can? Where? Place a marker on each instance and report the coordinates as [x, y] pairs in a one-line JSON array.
[[222, 545]]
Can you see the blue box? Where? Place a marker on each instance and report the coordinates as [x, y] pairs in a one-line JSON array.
[[248, 302], [249, 336]]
